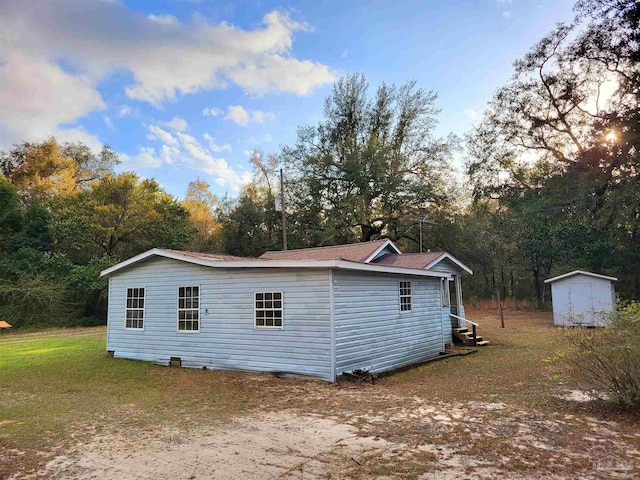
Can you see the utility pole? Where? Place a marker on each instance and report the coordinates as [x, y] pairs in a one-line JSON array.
[[284, 212]]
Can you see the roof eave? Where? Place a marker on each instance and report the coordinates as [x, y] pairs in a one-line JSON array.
[[380, 248], [250, 263], [580, 272], [453, 259]]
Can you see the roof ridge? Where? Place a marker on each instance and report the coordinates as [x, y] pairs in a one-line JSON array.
[[329, 246]]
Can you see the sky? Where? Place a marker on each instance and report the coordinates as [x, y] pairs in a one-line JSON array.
[[186, 89]]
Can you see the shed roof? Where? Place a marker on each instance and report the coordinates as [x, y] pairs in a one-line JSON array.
[[355, 252], [580, 272]]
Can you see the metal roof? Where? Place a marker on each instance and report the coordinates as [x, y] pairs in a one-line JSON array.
[[580, 272]]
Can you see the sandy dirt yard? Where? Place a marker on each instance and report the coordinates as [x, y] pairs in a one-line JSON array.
[[503, 412], [420, 439]]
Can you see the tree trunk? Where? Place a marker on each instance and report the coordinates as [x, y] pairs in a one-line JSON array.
[[539, 299]]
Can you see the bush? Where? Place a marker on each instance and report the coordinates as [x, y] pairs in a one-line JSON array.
[[36, 301], [606, 361]]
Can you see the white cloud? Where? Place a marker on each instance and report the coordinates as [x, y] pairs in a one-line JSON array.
[[238, 114], [176, 123], [471, 113], [109, 123], [157, 133], [506, 14], [242, 116], [37, 95], [503, 2], [262, 117], [127, 111], [163, 19], [211, 112], [215, 147], [344, 53], [183, 150], [266, 138]]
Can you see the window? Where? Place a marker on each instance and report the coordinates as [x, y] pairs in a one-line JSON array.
[[135, 308], [189, 309], [444, 291], [268, 310], [405, 296]]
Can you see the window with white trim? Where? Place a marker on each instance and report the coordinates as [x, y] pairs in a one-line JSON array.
[[405, 296], [189, 309], [268, 307], [135, 308]]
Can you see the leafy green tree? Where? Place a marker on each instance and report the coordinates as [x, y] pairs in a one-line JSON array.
[[120, 216], [42, 171], [370, 161]]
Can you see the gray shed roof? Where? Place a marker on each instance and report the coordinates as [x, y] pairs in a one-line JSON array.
[[580, 272]]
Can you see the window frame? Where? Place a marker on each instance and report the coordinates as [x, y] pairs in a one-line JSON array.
[[255, 310], [178, 309], [144, 308], [401, 296]]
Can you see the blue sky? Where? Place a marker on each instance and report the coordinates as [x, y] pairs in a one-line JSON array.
[[185, 89]]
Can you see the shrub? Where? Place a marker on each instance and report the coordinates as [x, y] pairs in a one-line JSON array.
[[36, 301], [606, 361]]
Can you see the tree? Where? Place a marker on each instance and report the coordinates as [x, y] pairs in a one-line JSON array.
[[10, 212], [370, 161], [42, 171], [120, 216], [563, 134], [201, 205]]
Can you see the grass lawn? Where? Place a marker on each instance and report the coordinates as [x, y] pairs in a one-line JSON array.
[[59, 388], [56, 389]]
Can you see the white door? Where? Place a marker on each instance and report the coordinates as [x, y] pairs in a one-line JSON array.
[[580, 303]]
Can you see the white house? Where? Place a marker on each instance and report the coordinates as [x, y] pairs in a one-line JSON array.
[[317, 311], [582, 298]]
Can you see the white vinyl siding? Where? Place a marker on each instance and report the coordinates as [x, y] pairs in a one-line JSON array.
[[371, 332], [228, 338]]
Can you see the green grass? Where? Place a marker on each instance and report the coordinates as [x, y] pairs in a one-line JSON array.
[[56, 389]]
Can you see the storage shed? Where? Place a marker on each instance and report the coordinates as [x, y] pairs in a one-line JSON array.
[[582, 298]]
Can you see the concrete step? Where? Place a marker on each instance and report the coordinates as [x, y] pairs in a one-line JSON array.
[[482, 343]]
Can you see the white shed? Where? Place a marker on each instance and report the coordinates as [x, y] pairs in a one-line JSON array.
[[582, 298]]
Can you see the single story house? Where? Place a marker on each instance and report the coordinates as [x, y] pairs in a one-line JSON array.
[[582, 298], [315, 311]]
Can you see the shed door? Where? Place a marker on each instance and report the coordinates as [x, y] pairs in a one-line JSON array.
[[580, 303]]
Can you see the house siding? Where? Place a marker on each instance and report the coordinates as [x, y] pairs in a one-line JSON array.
[[447, 325], [371, 332], [446, 266], [227, 338]]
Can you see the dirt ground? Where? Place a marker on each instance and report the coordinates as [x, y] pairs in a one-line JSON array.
[[500, 413]]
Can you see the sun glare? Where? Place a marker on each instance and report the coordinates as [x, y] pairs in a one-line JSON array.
[[611, 137]]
